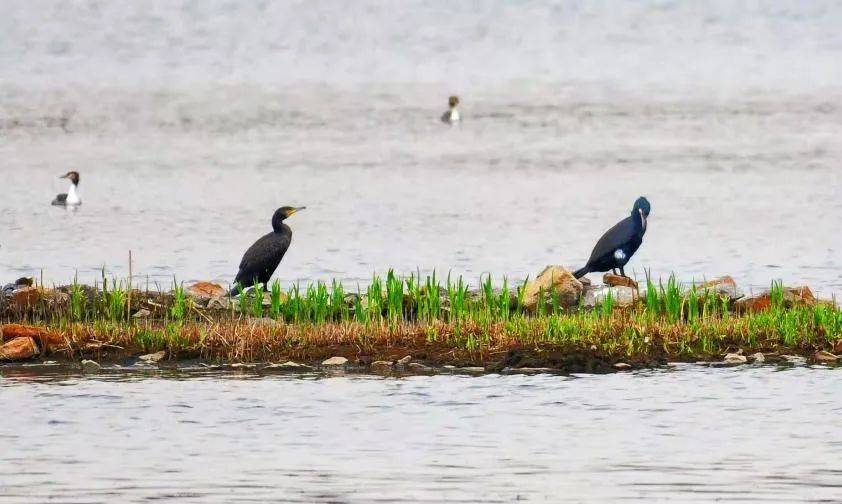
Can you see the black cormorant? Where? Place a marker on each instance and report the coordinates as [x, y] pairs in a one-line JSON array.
[[71, 198], [619, 243], [452, 115], [262, 258]]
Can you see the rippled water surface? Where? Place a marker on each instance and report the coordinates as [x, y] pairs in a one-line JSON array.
[[191, 122], [697, 434]]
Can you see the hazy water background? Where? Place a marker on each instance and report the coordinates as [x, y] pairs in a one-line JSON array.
[[694, 435], [192, 121]]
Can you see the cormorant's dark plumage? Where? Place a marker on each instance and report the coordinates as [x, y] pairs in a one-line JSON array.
[[263, 257], [619, 243]]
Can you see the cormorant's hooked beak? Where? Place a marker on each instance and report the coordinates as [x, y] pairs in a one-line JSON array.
[[66, 175], [296, 210], [642, 217]]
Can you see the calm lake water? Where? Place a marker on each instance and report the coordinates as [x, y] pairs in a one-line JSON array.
[[693, 435], [191, 122]]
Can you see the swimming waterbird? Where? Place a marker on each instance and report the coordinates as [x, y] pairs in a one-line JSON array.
[[261, 259], [619, 243], [452, 115], [71, 198]]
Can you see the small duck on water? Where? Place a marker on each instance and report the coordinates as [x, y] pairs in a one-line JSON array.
[[71, 198], [452, 115]]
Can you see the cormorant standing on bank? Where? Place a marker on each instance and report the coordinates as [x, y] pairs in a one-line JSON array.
[[262, 258], [619, 243]]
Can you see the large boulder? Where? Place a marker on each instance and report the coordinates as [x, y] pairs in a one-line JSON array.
[[554, 279], [18, 349], [46, 340], [12, 331]]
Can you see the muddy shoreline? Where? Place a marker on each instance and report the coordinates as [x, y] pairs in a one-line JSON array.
[[411, 325], [135, 366]]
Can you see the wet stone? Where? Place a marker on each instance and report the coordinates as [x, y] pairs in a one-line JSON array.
[[622, 366], [794, 359], [243, 365], [288, 366], [89, 366], [824, 357], [18, 349], [381, 366], [153, 357], [734, 358], [528, 370], [469, 370], [417, 367], [757, 358], [335, 361]]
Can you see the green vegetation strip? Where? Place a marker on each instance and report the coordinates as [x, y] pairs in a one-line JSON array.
[[438, 322]]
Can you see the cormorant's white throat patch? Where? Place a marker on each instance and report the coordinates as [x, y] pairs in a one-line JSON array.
[[619, 255]]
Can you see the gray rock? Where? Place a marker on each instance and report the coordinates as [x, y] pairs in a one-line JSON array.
[[622, 366], [528, 370], [723, 286], [405, 360], [794, 359], [825, 357], [381, 366], [89, 366], [469, 370], [623, 296], [288, 366], [734, 358], [758, 358], [417, 367], [335, 361], [220, 303], [154, 357], [142, 313]]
